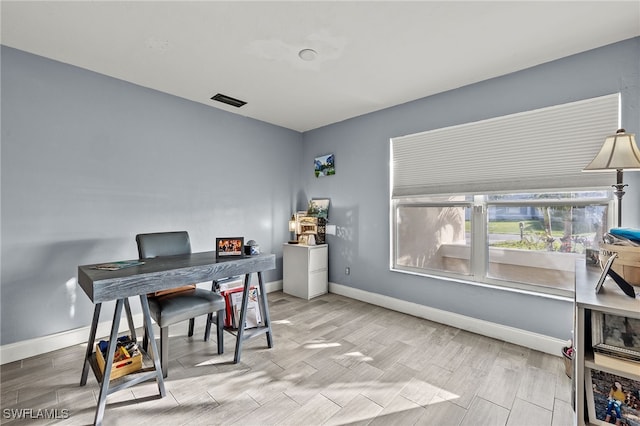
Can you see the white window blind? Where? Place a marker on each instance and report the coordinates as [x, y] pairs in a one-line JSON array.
[[545, 148]]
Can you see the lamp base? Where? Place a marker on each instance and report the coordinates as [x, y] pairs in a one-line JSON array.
[[619, 192], [293, 242]]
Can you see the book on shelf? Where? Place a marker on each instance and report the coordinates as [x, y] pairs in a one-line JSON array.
[[620, 363], [114, 266], [253, 318], [233, 302], [230, 283]]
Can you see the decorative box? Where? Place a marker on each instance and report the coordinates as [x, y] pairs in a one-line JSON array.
[[627, 264]]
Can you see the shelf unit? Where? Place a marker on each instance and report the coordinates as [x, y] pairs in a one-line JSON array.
[[305, 270], [611, 300]]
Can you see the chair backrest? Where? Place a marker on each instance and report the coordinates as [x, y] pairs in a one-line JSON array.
[[163, 244]]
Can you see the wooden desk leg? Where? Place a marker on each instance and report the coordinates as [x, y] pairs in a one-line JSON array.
[[148, 327], [243, 317], [132, 327], [111, 349], [90, 343], [265, 310]]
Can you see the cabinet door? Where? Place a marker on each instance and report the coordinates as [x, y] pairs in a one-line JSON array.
[[318, 258], [318, 283]]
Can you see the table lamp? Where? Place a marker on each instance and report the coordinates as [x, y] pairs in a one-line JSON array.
[[619, 152], [293, 226]]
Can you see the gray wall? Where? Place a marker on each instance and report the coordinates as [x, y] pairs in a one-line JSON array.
[[88, 161], [359, 191]]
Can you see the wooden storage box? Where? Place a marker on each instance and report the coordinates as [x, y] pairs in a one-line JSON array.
[[627, 264], [120, 368]]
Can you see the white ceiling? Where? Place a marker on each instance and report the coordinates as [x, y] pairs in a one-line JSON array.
[[371, 55]]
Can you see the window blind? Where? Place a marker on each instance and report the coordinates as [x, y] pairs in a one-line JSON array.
[[541, 149]]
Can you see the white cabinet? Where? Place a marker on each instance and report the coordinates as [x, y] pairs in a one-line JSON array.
[[306, 272]]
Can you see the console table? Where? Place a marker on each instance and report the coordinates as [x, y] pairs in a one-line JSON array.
[[609, 301], [154, 275]]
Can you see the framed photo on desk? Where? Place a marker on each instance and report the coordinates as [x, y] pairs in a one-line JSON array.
[[229, 247]]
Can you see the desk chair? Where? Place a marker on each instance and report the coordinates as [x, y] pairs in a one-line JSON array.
[[177, 305]]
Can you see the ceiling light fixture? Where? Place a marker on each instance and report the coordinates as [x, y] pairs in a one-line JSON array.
[[307, 54]]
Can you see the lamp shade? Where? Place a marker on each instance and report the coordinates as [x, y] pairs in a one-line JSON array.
[[619, 152]]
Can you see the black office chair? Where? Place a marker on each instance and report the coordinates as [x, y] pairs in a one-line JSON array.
[[183, 303]]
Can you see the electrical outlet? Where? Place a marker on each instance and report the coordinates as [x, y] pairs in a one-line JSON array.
[[347, 270]]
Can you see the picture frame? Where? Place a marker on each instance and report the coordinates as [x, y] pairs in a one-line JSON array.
[[616, 335], [319, 207], [229, 247], [605, 272], [598, 386], [324, 165]]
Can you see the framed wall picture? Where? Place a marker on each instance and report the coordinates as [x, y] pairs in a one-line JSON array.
[[229, 247], [325, 165], [612, 399]]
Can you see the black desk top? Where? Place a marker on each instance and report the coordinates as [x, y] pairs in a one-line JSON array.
[[166, 272]]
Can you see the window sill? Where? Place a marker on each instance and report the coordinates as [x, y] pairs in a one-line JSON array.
[[515, 287]]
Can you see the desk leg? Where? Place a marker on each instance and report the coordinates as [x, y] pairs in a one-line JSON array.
[[243, 317], [265, 310], [90, 343], [148, 327], [132, 327], [111, 349]]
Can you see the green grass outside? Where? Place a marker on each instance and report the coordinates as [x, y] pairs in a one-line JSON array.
[[513, 227], [533, 232]]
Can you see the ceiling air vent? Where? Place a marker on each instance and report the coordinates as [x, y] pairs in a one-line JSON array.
[[228, 100]]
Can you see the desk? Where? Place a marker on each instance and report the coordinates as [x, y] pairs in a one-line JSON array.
[[154, 275]]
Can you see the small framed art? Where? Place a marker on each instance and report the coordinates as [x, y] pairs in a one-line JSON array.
[[605, 271], [229, 247], [319, 207], [325, 165]]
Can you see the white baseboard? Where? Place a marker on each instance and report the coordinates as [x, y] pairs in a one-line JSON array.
[[40, 345], [273, 286], [517, 336], [32, 347], [52, 342]]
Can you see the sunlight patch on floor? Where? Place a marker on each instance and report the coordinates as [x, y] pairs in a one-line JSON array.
[[320, 344], [359, 356]]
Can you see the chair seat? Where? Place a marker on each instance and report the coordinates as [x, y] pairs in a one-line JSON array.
[[176, 307]]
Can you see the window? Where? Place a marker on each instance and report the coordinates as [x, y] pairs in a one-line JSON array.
[[503, 201], [431, 235], [521, 240]]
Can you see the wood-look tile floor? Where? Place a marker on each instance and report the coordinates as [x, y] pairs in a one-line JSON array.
[[335, 361]]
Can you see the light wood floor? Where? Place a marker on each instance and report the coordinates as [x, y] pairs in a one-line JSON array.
[[335, 361]]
